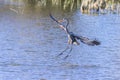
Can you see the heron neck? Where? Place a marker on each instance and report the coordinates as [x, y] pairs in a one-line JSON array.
[[67, 31]]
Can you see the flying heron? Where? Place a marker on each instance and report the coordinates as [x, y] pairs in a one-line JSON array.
[[72, 38]]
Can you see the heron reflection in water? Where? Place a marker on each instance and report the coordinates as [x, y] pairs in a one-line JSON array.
[[72, 38]]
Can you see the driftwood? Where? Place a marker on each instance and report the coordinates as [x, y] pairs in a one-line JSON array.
[[97, 5], [88, 5]]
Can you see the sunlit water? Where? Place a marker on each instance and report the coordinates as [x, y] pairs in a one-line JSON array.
[[30, 42]]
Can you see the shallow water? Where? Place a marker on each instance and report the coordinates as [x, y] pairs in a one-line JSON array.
[[30, 42]]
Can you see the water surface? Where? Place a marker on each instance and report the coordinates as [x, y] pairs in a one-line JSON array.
[[30, 42]]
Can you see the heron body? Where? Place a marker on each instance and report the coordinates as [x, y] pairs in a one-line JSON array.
[[72, 39]]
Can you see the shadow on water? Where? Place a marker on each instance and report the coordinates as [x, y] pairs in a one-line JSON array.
[[30, 41]]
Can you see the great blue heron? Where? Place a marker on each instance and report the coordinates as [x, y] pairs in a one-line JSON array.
[[72, 38]]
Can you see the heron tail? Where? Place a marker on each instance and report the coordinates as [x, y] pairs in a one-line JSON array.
[[88, 41]]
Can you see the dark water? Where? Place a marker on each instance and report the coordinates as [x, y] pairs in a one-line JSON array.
[[30, 41]]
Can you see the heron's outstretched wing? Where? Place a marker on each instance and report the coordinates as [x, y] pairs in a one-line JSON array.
[[61, 23], [54, 19], [88, 41]]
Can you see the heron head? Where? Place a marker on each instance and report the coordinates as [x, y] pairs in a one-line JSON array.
[[66, 21]]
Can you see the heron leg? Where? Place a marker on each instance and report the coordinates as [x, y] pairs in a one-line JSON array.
[[64, 50], [68, 53]]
